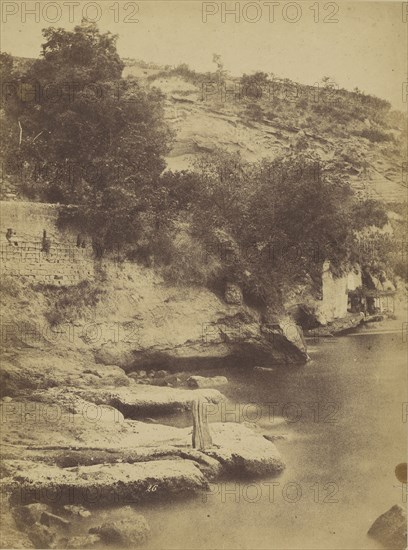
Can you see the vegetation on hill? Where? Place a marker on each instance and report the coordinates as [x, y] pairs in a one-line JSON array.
[[83, 134], [268, 226], [100, 144]]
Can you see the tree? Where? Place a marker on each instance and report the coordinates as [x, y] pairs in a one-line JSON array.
[[254, 85], [90, 137], [285, 217], [221, 72], [6, 72]]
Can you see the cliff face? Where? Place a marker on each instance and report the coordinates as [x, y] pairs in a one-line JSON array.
[[137, 318], [122, 313], [158, 324], [140, 322], [357, 136], [342, 128]]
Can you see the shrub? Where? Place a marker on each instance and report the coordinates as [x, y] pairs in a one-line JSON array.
[[70, 303], [375, 135], [190, 263], [254, 112]]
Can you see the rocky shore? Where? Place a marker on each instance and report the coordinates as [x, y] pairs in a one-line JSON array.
[[79, 449]]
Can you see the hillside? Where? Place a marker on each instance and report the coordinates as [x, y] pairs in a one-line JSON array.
[[357, 134]]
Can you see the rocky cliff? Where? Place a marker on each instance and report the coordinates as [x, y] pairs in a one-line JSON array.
[[120, 313], [139, 320], [353, 132]]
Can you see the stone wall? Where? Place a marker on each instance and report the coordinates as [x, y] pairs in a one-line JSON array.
[[64, 264]]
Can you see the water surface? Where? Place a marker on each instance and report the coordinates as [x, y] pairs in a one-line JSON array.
[[342, 418]]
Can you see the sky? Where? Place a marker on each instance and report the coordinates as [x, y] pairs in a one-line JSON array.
[[361, 44]]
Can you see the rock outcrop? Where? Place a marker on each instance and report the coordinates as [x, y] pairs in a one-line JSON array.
[[106, 484], [206, 118], [82, 460], [139, 323], [124, 533], [390, 529]]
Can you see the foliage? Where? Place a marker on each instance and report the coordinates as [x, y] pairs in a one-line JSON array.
[[279, 220], [98, 142], [184, 71], [375, 135], [6, 72], [189, 262], [254, 85], [254, 112], [369, 212]]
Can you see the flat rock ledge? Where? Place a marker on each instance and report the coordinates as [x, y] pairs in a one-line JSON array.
[[242, 451], [105, 484], [144, 461], [75, 451], [148, 399]]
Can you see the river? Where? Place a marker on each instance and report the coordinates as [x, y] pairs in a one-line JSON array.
[[342, 418]]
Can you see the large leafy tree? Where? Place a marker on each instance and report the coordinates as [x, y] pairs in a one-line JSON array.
[[285, 217], [84, 134]]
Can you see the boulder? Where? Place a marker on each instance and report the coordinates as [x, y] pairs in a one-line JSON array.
[[233, 294], [25, 516], [390, 529], [160, 374], [10, 535], [124, 533], [161, 382], [203, 382]]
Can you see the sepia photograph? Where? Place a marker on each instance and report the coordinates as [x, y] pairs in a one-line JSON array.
[[203, 274]]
